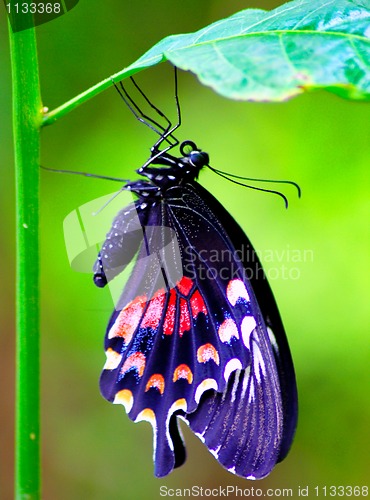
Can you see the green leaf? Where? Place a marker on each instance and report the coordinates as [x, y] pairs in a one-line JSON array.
[[257, 55], [273, 55]]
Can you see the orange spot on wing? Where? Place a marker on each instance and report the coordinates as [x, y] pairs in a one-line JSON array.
[[125, 398], [197, 304], [154, 311], [169, 321], [113, 359], [227, 330], [185, 285], [179, 404], [156, 381], [206, 352], [205, 385], [184, 317], [135, 360], [128, 319], [183, 371], [147, 415]]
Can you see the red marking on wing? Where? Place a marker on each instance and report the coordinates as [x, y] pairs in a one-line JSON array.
[[197, 304], [135, 360], [183, 371], [184, 317], [156, 381], [169, 321], [206, 352], [128, 319], [185, 285], [154, 311]]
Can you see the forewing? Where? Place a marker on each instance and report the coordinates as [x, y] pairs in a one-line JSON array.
[[121, 244]]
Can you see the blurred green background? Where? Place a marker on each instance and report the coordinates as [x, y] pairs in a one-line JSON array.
[[90, 448]]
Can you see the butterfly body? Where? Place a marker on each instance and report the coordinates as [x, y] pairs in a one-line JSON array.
[[196, 333]]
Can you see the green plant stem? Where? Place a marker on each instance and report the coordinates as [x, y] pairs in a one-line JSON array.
[[26, 125], [68, 106]]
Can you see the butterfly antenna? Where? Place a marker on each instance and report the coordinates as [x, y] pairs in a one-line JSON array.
[[221, 174], [86, 174], [107, 202], [292, 183]]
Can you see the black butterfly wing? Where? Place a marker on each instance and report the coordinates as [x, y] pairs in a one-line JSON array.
[[270, 313], [185, 343], [121, 244], [162, 353], [245, 426]]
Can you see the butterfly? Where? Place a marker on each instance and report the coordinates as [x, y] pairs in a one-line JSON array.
[[196, 334]]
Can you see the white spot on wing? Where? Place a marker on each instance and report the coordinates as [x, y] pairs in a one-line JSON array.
[[125, 398], [231, 366], [200, 437], [208, 383], [247, 372], [272, 339], [258, 362], [235, 290], [227, 330], [251, 390], [248, 325], [113, 359], [148, 415], [179, 404]]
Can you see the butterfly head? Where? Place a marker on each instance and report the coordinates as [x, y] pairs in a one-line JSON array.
[[193, 155], [174, 170]]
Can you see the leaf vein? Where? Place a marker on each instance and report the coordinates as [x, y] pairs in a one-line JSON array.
[[267, 18], [285, 53], [358, 54], [274, 32], [309, 14], [222, 55]]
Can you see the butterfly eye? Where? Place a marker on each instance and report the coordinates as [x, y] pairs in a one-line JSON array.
[[199, 158], [188, 147]]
